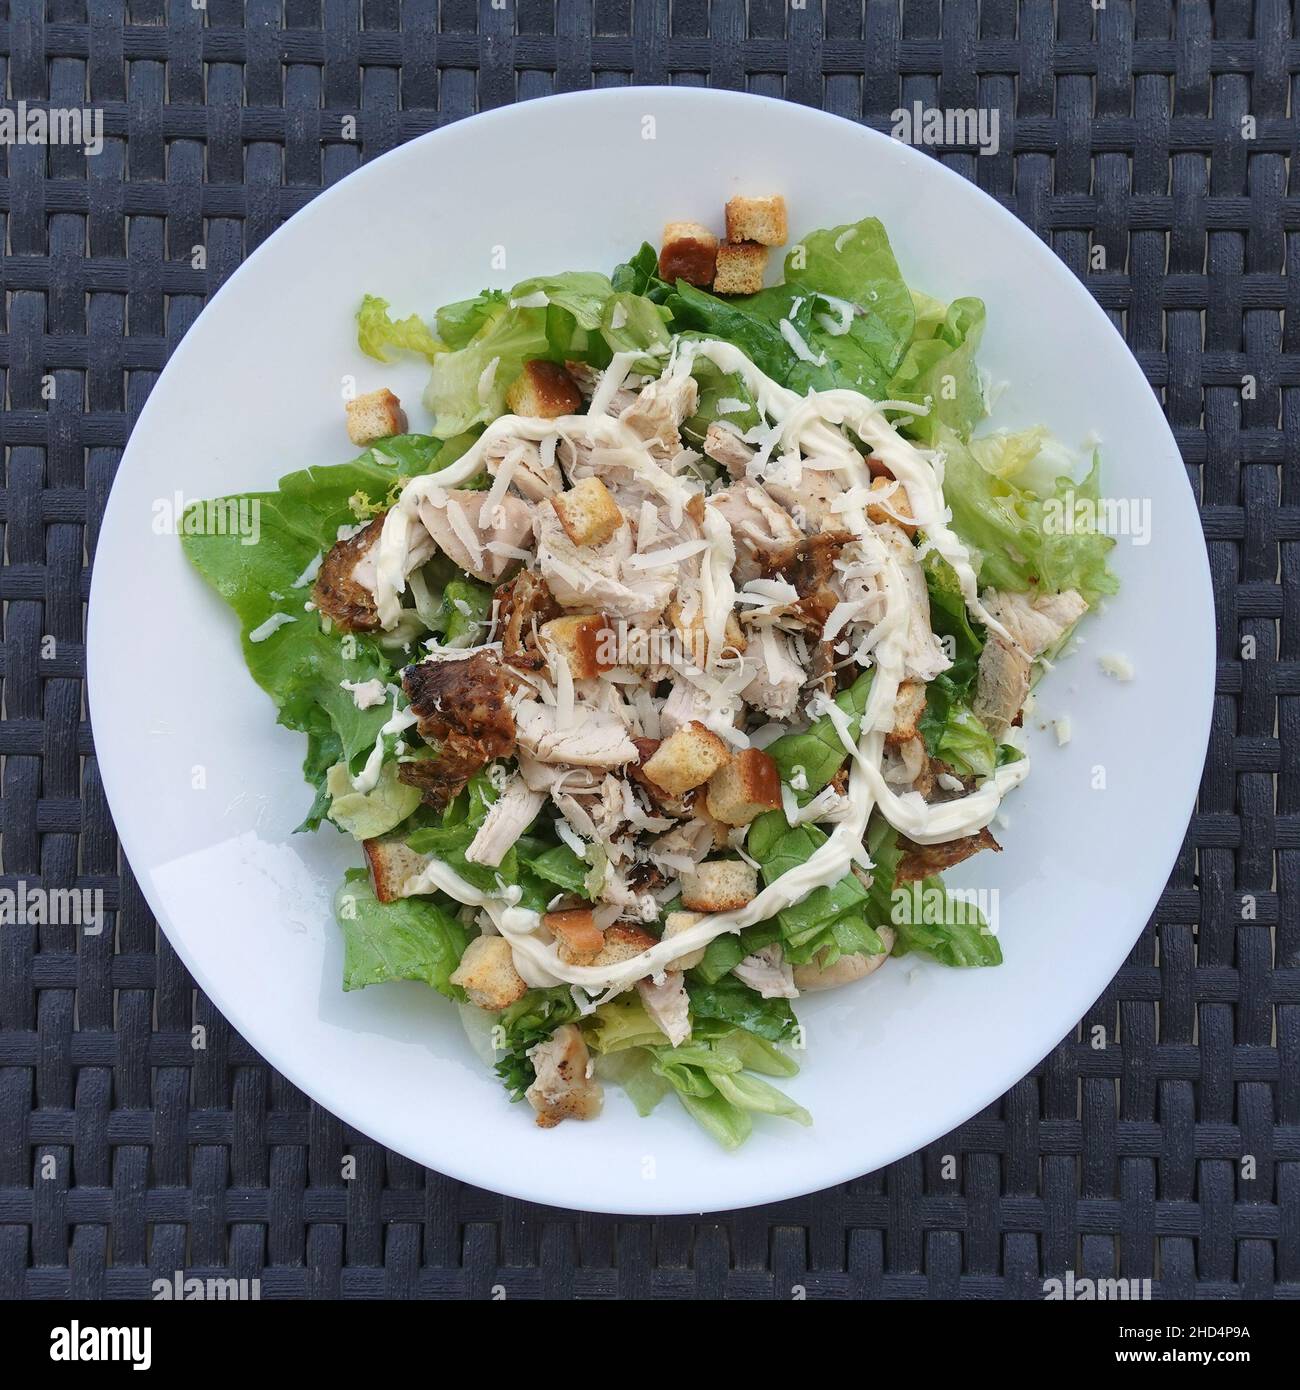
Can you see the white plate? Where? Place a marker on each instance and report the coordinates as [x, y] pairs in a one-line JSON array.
[[206, 789]]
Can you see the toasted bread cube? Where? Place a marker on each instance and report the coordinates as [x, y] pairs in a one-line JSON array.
[[895, 508], [375, 415], [588, 512], [686, 759], [688, 253], [622, 943], [580, 939], [677, 806], [757, 219], [719, 885], [585, 641], [909, 706], [393, 864], [674, 924], [544, 390], [740, 268], [746, 787], [487, 974]]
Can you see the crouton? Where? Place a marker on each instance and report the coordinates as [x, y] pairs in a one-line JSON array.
[[694, 637], [719, 885], [622, 943], [588, 512], [544, 390], [686, 759], [909, 706], [688, 253], [674, 924], [585, 641], [740, 268], [393, 864], [487, 974], [677, 806], [746, 787], [895, 508], [579, 938], [375, 415], [757, 219]]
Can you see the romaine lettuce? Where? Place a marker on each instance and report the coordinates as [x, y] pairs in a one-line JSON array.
[[410, 939]]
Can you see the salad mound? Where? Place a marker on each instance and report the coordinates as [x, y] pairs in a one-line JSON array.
[[662, 679]]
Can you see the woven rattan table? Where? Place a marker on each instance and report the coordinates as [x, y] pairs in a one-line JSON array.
[[126, 1155]]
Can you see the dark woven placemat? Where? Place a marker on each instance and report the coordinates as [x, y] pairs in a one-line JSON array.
[[1173, 1153]]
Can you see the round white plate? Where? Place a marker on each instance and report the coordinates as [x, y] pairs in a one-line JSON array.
[[205, 788]]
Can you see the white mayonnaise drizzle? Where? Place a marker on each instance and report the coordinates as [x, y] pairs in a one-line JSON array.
[[808, 423]]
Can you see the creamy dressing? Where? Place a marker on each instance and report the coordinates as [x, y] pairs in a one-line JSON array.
[[808, 423]]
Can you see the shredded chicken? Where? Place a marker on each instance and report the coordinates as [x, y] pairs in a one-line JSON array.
[[460, 530], [668, 1004], [507, 819]]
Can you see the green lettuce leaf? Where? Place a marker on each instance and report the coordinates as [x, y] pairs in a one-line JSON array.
[[378, 334], [731, 1001], [366, 815], [410, 939], [940, 371], [951, 930], [288, 652], [818, 751], [1018, 535]]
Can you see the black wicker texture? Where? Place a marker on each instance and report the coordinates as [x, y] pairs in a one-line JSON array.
[[1172, 1153]]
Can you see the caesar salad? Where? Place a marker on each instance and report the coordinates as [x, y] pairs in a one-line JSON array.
[[662, 678]]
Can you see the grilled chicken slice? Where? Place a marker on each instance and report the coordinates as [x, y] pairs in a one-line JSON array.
[[596, 578], [778, 676], [338, 593], [564, 1088], [924, 861], [723, 447], [668, 1005], [812, 502], [463, 710], [658, 412], [766, 539], [768, 972], [596, 739], [532, 476], [507, 819], [455, 520], [523, 606], [1002, 682]]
